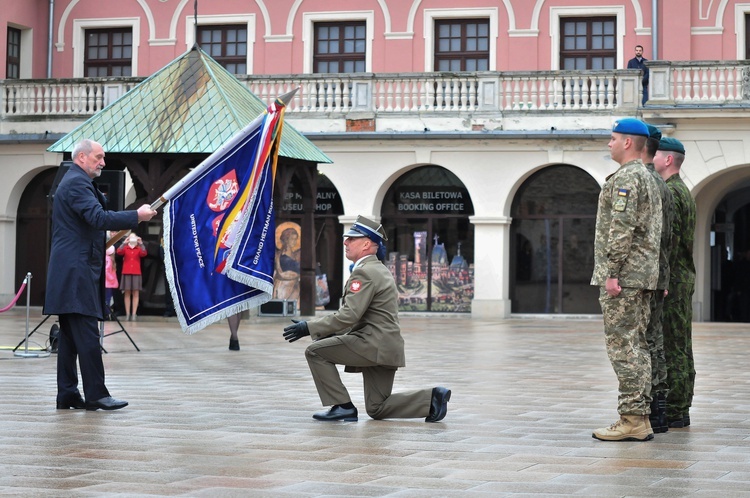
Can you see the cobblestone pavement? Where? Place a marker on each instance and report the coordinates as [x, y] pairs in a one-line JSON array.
[[206, 421]]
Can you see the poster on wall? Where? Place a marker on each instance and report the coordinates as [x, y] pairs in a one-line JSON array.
[[450, 279], [286, 272]]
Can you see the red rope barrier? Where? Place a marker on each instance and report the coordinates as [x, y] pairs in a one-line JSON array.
[[12, 303]]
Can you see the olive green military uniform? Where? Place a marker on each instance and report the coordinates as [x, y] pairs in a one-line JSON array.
[[654, 330], [626, 247], [678, 310], [364, 334]]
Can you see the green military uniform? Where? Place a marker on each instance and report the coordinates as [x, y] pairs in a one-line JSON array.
[[364, 334], [626, 247], [654, 331], [678, 309]]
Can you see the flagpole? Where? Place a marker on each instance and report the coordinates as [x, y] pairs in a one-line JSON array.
[[198, 170]]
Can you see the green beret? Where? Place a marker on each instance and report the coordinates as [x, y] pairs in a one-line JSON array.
[[670, 144], [653, 132], [630, 126]]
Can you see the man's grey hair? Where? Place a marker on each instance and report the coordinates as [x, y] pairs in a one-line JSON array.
[[85, 146]]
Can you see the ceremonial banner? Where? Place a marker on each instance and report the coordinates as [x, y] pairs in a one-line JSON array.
[[219, 227]]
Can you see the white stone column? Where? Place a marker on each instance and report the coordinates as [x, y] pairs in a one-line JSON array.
[[491, 264]]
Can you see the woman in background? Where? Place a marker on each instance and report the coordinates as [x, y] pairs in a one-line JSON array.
[[132, 252]]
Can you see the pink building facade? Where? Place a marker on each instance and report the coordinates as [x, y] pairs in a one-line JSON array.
[[505, 105], [524, 34]]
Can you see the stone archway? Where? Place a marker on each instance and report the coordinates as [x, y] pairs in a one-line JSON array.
[[552, 242]]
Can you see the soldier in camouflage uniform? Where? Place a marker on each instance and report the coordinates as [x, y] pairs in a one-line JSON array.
[[654, 332], [678, 309], [626, 268]]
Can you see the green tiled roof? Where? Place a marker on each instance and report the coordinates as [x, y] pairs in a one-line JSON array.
[[192, 105]]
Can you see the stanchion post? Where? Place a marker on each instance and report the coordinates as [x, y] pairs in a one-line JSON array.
[[26, 353]]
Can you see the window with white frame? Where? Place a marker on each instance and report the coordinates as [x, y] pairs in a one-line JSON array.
[[340, 47], [227, 45], [111, 44], [13, 54], [461, 37], [462, 45], [602, 35], [238, 38], [588, 43], [350, 49], [108, 52]]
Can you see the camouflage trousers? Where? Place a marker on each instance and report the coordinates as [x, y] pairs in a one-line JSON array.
[[678, 348], [655, 339], [625, 320]]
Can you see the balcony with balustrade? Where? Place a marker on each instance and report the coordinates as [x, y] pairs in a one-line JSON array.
[[414, 102]]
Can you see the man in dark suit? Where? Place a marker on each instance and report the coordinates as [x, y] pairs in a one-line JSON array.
[[639, 62], [75, 278], [364, 335]]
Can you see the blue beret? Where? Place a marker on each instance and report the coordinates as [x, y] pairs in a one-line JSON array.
[[669, 144], [630, 126], [653, 132]]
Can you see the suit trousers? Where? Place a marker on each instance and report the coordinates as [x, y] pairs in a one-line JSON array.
[[79, 338], [322, 358]]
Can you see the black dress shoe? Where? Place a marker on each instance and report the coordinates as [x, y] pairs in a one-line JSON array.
[[439, 405], [72, 403], [234, 345], [108, 403], [338, 413]]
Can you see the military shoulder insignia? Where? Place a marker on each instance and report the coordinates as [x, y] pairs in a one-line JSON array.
[[621, 201], [355, 286]]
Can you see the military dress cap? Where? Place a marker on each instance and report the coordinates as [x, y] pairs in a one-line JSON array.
[[364, 227], [630, 126], [653, 132], [670, 144]]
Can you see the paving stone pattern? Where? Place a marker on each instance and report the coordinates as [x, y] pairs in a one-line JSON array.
[[206, 421]]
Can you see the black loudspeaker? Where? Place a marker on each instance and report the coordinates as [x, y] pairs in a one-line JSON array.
[[111, 183], [278, 307]]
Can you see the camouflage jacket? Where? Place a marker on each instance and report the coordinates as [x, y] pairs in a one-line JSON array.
[[667, 210], [682, 267], [628, 229]]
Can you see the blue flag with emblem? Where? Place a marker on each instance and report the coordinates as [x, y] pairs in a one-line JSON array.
[[219, 226]]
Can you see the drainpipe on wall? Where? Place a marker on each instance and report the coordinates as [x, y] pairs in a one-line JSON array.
[[654, 30], [49, 37]]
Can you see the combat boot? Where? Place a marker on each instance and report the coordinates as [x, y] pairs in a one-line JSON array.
[[659, 422], [628, 428]]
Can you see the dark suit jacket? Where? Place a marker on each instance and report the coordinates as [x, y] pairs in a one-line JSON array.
[[634, 64], [370, 312], [75, 277]]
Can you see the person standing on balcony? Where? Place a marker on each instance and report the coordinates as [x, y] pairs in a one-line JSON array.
[[75, 277], [626, 269], [654, 330], [639, 62], [678, 308]]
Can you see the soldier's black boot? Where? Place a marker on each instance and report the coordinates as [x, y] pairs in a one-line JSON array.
[[661, 424], [653, 417]]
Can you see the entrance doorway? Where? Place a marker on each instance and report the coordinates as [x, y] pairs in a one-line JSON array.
[[430, 240], [730, 258], [552, 243], [33, 235], [329, 241]]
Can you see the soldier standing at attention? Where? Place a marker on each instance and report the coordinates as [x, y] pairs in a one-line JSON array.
[[654, 332], [678, 309], [626, 268]]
